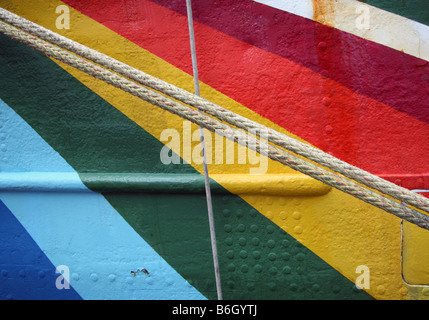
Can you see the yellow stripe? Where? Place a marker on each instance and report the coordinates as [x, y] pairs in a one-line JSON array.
[[343, 231]]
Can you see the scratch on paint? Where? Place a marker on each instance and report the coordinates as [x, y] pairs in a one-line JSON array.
[[142, 270]]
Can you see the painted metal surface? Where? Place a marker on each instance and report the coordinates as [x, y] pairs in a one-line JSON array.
[[84, 184]]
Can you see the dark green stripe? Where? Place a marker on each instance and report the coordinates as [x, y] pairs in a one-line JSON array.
[[147, 182], [417, 10], [258, 260]]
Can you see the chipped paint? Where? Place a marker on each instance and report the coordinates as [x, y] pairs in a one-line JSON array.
[[324, 11], [383, 27], [144, 271]]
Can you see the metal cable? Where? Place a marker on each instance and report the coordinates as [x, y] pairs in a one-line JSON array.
[[204, 155]]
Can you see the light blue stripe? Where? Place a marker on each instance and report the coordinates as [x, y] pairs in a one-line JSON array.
[[42, 182], [82, 230]]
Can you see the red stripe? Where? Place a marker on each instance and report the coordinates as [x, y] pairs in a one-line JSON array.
[[426, 194], [396, 79], [352, 126]]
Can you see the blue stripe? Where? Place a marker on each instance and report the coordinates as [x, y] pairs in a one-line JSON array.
[[82, 230], [25, 271]]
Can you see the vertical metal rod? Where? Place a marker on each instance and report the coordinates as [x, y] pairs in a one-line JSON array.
[[204, 155]]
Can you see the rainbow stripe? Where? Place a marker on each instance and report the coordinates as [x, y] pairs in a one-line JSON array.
[[339, 91]]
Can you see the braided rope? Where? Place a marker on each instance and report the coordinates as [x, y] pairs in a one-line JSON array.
[[372, 181], [273, 152]]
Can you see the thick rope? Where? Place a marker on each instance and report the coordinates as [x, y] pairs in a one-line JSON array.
[[335, 180], [314, 154]]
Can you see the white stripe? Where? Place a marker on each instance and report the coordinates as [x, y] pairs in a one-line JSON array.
[[364, 21], [303, 8]]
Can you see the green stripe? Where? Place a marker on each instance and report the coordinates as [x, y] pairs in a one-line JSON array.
[[258, 260], [147, 182], [417, 10]]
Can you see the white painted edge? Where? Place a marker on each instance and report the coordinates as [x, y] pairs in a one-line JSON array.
[[382, 27]]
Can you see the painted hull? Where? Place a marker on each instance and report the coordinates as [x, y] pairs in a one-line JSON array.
[[102, 194]]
